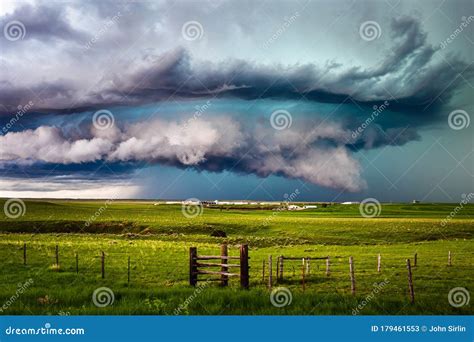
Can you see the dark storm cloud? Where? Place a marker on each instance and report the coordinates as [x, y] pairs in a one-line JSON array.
[[96, 75], [410, 77], [46, 23]]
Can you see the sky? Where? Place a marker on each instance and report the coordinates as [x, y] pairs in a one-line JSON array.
[[333, 100]]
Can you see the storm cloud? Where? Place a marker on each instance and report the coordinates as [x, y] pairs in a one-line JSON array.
[[134, 60], [215, 144], [410, 76]]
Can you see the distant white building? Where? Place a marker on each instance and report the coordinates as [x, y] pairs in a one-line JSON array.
[[310, 207], [350, 203], [294, 207], [191, 202], [173, 202]]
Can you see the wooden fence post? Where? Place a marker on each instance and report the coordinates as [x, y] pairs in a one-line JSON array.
[[379, 260], [410, 283], [57, 255], [302, 274], [308, 269], [24, 254], [277, 273], [449, 258], [415, 260], [77, 263], [263, 271], [192, 266], [351, 270], [270, 280], [327, 267], [244, 266], [224, 261], [128, 270], [103, 265], [281, 267]]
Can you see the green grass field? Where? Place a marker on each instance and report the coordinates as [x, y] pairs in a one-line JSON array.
[[157, 240]]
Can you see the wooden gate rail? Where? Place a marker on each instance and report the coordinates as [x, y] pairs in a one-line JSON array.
[[224, 265]]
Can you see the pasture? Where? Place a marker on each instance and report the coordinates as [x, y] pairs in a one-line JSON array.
[[157, 239]]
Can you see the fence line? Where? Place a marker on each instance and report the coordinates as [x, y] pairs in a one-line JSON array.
[[200, 264]]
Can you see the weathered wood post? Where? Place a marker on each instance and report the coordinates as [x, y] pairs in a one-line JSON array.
[[128, 271], [449, 258], [281, 267], [244, 266], [224, 261], [277, 273], [379, 260], [351, 270], [302, 274], [327, 267], [192, 266], [415, 260], [270, 280], [24, 254], [410, 283], [77, 263], [57, 255], [103, 264], [263, 271]]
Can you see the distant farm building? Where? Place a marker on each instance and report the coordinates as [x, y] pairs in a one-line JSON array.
[[310, 207]]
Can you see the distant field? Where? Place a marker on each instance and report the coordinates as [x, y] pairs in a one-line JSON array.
[[157, 239]]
